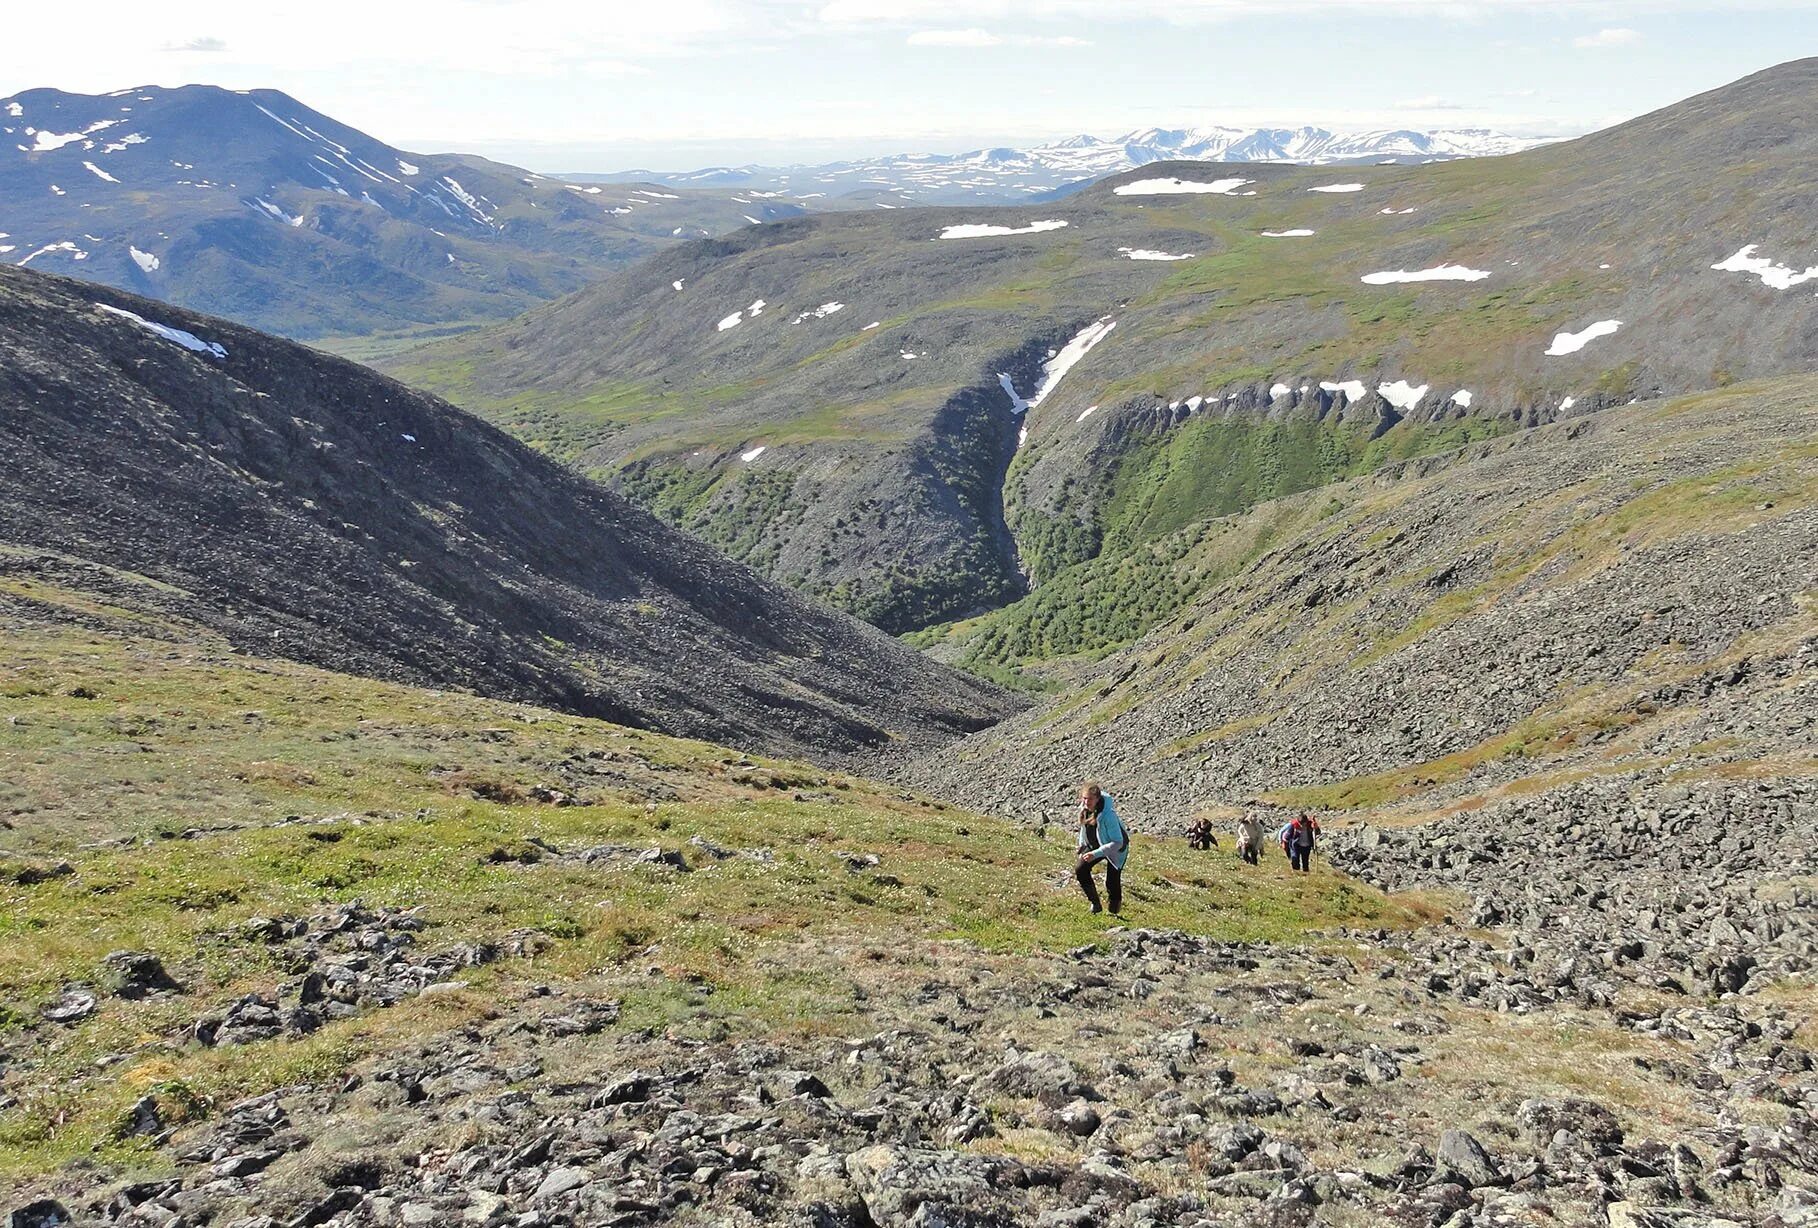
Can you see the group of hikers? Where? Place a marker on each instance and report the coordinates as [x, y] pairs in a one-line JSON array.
[[1103, 839]]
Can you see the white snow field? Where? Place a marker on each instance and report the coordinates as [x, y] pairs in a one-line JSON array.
[[1180, 187], [1146, 253], [984, 230], [1571, 343], [1059, 363], [1440, 272], [187, 340], [1401, 394], [1771, 272]]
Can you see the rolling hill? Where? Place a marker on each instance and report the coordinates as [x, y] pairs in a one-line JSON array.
[[918, 414], [251, 205], [174, 466]]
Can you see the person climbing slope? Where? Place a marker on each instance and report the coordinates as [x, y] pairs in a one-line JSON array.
[[1249, 837], [1101, 838], [1298, 839], [1199, 835]]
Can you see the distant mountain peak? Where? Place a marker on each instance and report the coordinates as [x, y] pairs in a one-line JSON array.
[[999, 174]]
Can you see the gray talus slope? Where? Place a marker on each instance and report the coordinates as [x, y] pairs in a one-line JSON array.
[[306, 507], [1603, 597], [1211, 357]]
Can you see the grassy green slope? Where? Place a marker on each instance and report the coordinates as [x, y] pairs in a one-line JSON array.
[[188, 789]]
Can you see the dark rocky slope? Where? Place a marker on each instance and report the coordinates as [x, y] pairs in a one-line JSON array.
[[304, 506]]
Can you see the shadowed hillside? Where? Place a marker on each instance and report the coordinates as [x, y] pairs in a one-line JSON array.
[[303, 506]]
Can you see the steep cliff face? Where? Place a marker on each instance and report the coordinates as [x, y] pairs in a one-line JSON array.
[[1270, 329], [307, 507]]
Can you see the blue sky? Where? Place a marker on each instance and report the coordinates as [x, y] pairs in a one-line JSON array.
[[678, 84]]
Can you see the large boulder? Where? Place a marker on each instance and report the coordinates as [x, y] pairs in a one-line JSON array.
[[1463, 1159], [1586, 1119], [903, 1186], [1035, 1075], [136, 974]]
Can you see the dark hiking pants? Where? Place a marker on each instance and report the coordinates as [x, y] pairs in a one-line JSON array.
[[1300, 858], [1114, 885], [1252, 854]]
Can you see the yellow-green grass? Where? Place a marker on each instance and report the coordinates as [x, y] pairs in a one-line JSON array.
[[106, 735]]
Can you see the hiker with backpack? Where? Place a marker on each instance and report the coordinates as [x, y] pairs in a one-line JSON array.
[[1199, 835], [1249, 837], [1101, 838], [1297, 840]]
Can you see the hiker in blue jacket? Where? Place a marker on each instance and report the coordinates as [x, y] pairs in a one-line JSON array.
[[1101, 838]]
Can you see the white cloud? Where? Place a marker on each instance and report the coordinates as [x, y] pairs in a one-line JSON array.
[[975, 37], [203, 43], [938, 12], [954, 38], [1430, 102], [1620, 36]]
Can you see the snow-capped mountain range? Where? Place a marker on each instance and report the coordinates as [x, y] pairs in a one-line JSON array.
[[1005, 173], [248, 203]]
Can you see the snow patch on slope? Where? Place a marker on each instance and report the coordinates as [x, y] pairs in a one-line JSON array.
[[1442, 272], [1571, 343], [1771, 272], [260, 202], [1058, 364], [1145, 253], [64, 246], [1401, 394], [982, 230], [145, 260], [1177, 187], [187, 340]]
